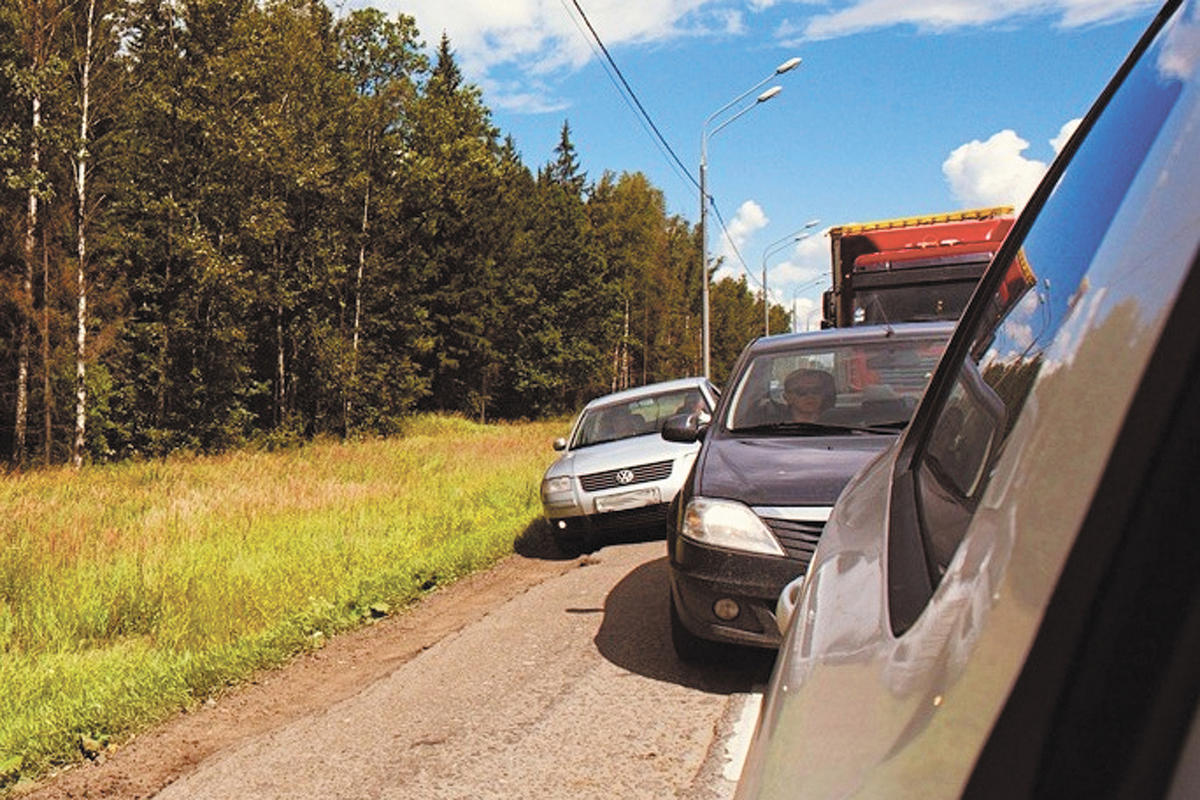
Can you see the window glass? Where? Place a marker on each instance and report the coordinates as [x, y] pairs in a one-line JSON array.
[[861, 384], [1036, 296], [637, 417], [911, 303]]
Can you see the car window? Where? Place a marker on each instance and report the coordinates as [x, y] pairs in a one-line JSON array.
[[636, 417], [861, 384], [1041, 291]]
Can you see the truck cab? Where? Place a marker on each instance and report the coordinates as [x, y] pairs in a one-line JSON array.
[[912, 269]]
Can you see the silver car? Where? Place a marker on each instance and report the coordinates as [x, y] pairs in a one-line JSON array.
[[1006, 603], [616, 473]]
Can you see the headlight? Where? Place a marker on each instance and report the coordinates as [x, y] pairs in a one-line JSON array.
[[728, 524], [557, 485]]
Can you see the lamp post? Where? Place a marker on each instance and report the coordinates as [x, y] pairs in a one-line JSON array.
[[705, 134], [774, 247]]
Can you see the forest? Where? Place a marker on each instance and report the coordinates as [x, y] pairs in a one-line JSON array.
[[231, 223]]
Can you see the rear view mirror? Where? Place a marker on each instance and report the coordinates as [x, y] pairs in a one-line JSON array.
[[560, 443], [685, 428]]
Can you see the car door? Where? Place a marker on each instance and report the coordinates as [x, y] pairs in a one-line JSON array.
[[917, 663]]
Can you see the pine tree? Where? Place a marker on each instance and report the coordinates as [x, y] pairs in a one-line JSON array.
[[452, 183]]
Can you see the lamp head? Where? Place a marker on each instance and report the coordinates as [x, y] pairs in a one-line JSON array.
[[788, 65], [768, 94]]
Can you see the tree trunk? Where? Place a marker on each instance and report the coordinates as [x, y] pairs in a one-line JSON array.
[[625, 349], [164, 344], [645, 341], [358, 281], [47, 394], [77, 445], [31, 217], [280, 365]]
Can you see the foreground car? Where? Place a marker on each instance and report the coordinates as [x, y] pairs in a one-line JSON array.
[[615, 472], [1007, 604], [803, 414]]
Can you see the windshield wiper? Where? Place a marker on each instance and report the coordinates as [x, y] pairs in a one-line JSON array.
[[821, 428], [891, 426]]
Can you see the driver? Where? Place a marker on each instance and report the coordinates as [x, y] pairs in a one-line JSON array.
[[808, 394]]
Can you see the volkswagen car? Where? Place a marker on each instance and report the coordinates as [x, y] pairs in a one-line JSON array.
[[615, 472], [803, 413], [1006, 604]]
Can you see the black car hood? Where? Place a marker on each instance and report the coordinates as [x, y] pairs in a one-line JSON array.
[[769, 471]]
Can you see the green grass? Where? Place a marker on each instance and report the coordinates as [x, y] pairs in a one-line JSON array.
[[128, 592]]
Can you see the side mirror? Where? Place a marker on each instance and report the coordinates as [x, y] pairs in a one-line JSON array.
[[560, 443], [786, 605], [685, 428]]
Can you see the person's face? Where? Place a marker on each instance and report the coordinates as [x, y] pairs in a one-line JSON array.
[[803, 397]]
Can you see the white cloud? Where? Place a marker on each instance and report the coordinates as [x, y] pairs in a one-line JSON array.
[[545, 37], [1180, 54], [797, 283], [749, 219], [1076, 13], [996, 172], [807, 263], [993, 172], [944, 15], [1064, 133]]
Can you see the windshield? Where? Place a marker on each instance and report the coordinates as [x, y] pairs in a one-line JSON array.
[[912, 303], [823, 389], [637, 417]]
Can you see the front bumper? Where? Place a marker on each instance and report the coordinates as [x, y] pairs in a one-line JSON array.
[[653, 517], [576, 512], [701, 576]]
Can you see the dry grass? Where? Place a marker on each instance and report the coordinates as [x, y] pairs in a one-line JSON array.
[[129, 591]]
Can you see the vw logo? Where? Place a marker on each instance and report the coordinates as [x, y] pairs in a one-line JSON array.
[[624, 476]]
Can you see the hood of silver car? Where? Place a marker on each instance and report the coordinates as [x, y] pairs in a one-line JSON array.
[[784, 471], [645, 449]]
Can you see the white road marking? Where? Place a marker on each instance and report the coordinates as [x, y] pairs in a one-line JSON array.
[[738, 743]]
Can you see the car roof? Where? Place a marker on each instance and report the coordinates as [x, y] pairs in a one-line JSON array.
[[832, 337], [647, 390]]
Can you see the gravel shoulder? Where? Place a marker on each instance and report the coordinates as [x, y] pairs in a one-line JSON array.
[[310, 684]]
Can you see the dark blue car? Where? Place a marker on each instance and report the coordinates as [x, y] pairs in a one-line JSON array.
[[802, 414]]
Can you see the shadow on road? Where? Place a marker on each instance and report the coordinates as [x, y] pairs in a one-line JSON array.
[[536, 541], [636, 636]]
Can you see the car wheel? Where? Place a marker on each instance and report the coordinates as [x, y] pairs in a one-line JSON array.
[[688, 646], [573, 545]]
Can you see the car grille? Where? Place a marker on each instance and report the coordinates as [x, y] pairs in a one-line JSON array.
[[647, 517], [799, 539], [643, 473]]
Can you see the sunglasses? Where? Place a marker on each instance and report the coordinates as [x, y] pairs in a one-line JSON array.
[[797, 391]]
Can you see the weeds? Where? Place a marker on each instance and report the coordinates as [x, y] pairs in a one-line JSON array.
[[128, 592]]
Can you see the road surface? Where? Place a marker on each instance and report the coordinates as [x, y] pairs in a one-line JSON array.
[[563, 687]]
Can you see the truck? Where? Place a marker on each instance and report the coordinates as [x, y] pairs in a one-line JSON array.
[[910, 269]]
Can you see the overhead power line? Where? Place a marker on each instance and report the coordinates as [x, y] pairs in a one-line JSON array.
[[632, 95], [631, 99]]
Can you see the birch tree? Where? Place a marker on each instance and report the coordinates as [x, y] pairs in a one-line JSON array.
[[382, 60], [38, 24]]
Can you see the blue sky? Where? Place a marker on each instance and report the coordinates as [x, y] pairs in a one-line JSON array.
[[900, 106]]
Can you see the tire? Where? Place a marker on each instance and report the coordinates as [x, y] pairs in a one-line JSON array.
[[572, 545], [688, 646]]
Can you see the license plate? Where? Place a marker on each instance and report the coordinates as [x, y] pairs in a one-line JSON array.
[[634, 499]]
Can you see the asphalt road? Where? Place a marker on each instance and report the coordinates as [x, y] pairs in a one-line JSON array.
[[568, 690]]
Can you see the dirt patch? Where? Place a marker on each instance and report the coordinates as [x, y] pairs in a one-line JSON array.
[[143, 765]]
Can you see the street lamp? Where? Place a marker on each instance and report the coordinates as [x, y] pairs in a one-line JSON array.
[[793, 237], [705, 134]]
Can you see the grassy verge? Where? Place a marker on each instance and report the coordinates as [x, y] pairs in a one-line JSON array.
[[128, 592]]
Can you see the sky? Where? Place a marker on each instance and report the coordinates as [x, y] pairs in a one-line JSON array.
[[899, 107]]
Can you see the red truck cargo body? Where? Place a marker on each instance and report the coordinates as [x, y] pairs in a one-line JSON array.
[[911, 269]]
